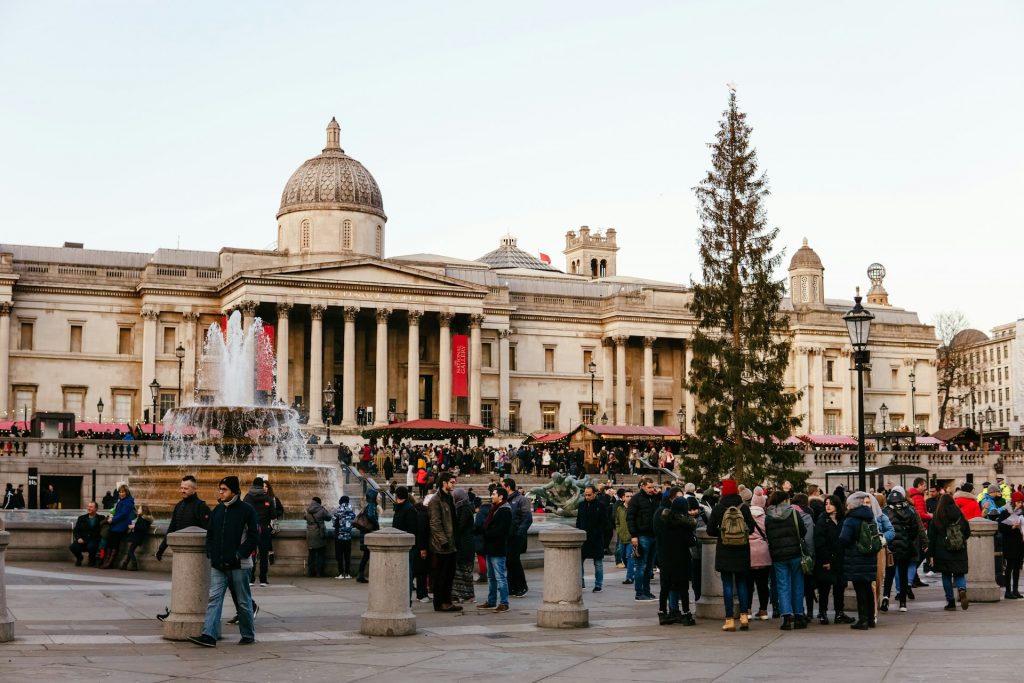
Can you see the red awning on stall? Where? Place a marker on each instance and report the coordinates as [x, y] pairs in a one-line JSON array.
[[829, 440]]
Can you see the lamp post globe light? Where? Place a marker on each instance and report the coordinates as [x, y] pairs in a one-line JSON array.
[[913, 412], [883, 412], [328, 409], [858, 325], [154, 389], [99, 409], [990, 417], [179, 353], [592, 369]]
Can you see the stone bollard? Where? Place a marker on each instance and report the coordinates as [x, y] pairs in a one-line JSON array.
[[6, 620], [190, 583], [563, 580], [710, 604], [387, 610], [981, 562]]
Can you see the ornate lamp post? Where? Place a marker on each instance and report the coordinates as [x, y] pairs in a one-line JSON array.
[[913, 412], [179, 353], [592, 369], [328, 409], [990, 416], [604, 418], [681, 416], [154, 389], [99, 409], [883, 412], [858, 324]]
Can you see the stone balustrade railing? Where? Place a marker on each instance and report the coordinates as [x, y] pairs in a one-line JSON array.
[[96, 450]]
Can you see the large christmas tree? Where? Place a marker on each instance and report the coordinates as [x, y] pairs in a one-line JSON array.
[[741, 345]]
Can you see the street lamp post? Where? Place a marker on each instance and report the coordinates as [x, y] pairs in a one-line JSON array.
[[990, 416], [883, 411], [858, 324], [154, 389], [681, 416], [913, 412], [592, 369], [99, 409], [604, 418], [179, 353], [328, 409]]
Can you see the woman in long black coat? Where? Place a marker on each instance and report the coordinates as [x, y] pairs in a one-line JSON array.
[[592, 517], [828, 561], [951, 561], [675, 524]]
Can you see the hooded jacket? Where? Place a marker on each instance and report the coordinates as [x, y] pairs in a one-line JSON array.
[[760, 555], [263, 503], [857, 566], [315, 517], [906, 525], [786, 528], [968, 504], [674, 528]]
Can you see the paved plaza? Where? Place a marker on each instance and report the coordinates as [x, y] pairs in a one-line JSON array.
[[77, 624]]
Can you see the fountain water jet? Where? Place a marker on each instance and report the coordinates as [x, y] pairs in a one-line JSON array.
[[234, 434]]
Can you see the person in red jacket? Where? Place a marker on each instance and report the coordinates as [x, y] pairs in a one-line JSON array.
[[967, 502], [916, 496]]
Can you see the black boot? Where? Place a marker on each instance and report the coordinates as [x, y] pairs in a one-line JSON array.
[[664, 619], [787, 623], [687, 619], [823, 619], [799, 621], [843, 618]]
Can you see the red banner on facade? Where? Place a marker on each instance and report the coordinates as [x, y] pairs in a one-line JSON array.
[[460, 365], [265, 359]]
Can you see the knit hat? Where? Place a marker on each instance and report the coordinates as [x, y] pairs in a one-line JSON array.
[[993, 489], [1017, 497], [232, 484], [759, 499], [967, 487], [746, 494], [729, 487]]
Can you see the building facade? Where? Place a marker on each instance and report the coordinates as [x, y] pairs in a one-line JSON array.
[[547, 349], [992, 381]]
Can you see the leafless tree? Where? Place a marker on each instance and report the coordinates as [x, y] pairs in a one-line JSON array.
[[953, 359]]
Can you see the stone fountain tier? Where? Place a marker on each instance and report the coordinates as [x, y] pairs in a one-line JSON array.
[[158, 485]]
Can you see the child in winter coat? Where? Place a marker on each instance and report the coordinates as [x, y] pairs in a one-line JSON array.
[[343, 517]]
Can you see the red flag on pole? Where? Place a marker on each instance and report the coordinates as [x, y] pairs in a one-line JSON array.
[[460, 365], [545, 258]]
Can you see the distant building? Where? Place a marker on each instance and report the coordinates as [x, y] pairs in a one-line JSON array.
[[993, 379]]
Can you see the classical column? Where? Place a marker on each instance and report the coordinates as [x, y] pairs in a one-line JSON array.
[[348, 394], [380, 398], [475, 351], [248, 308], [149, 318], [316, 362], [283, 391], [803, 384], [691, 413], [188, 371], [503, 382], [818, 378], [620, 379], [412, 407], [649, 380], [444, 361], [5, 356], [607, 381], [847, 397]]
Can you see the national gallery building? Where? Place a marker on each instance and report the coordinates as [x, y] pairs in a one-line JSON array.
[[547, 347]]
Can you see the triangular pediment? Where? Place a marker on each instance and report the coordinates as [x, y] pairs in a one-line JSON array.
[[366, 271]]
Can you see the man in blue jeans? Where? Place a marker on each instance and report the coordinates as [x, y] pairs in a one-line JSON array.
[[640, 519], [495, 532], [230, 541]]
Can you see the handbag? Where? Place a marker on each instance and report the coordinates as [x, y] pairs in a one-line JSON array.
[[806, 560], [364, 523], [889, 559]]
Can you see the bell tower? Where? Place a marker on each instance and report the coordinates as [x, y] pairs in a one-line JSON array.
[[591, 255]]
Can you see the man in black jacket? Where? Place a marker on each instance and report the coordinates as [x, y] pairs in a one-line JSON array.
[[640, 520], [406, 519], [191, 510], [231, 539], [522, 519], [86, 536], [495, 530], [263, 503]]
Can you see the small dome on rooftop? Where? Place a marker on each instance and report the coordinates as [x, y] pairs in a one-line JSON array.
[[805, 257], [508, 255]]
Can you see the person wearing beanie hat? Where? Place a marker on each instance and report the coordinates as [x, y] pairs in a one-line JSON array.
[[732, 524], [316, 537], [993, 505], [230, 540], [745, 494], [1011, 531], [342, 520]]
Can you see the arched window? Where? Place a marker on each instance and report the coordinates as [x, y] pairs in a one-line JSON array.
[[379, 243], [305, 236], [604, 267], [805, 291], [574, 267], [346, 235], [593, 267]]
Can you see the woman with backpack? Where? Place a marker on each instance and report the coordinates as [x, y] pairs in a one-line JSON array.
[[732, 525], [828, 561], [785, 529], [862, 541], [947, 549], [907, 527]]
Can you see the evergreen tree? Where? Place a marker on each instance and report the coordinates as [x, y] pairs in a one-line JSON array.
[[741, 345]]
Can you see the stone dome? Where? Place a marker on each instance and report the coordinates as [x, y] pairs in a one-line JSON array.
[[332, 180], [968, 337], [805, 257]]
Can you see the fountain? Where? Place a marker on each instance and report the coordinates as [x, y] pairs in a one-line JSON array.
[[237, 432]]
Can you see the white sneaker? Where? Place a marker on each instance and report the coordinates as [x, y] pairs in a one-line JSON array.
[[426, 599], [341, 576]]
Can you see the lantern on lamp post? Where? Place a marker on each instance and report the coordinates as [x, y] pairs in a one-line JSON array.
[[858, 325]]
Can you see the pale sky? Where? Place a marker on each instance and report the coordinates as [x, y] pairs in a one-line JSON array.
[[890, 131]]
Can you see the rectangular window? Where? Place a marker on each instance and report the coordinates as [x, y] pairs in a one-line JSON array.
[[549, 360], [921, 421], [588, 413], [24, 402], [895, 422], [512, 363], [869, 424], [513, 417], [76, 340], [485, 355], [122, 408], [548, 417], [74, 402], [895, 376], [487, 415], [26, 336], [170, 338], [830, 367], [831, 422], [167, 401], [867, 379], [588, 357], [124, 341]]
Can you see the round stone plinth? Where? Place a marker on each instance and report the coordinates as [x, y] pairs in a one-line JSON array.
[[563, 580], [190, 584], [387, 610]]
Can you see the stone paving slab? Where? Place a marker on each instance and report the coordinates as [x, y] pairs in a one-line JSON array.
[[84, 625]]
